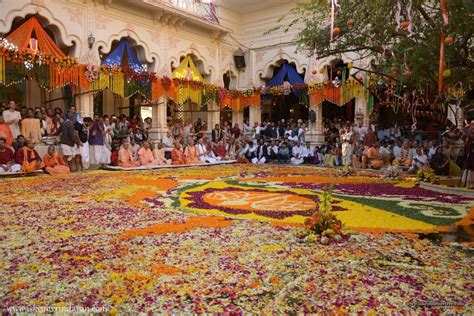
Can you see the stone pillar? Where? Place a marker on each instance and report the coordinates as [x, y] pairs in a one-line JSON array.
[[316, 132], [238, 117], [255, 114], [85, 104], [158, 120], [363, 105], [213, 116]]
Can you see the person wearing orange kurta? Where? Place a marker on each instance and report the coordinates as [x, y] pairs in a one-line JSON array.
[[373, 157], [191, 153], [159, 155], [145, 156], [177, 155], [29, 159], [125, 156], [6, 133], [54, 163], [31, 127]]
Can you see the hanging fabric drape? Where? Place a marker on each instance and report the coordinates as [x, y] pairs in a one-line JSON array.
[[339, 95], [116, 57], [22, 35], [187, 70], [188, 73], [288, 72]]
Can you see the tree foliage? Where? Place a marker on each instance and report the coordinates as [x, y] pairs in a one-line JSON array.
[[369, 27]]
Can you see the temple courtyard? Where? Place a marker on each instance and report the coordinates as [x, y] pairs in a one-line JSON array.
[[230, 238]]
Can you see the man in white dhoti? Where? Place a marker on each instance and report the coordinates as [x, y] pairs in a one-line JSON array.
[[297, 151], [261, 153], [346, 139], [205, 153]]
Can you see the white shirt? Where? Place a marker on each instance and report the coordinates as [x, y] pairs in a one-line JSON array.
[[14, 117], [167, 144], [397, 152], [274, 148], [420, 160], [308, 152], [297, 151], [431, 152]]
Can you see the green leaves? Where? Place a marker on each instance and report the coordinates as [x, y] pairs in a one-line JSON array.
[[370, 28]]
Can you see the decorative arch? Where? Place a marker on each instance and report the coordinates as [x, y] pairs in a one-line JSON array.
[[201, 62], [144, 52], [49, 21], [266, 72]]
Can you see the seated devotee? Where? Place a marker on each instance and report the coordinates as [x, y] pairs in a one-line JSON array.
[[405, 157], [5, 132], [125, 159], [308, 154], [273, 151], [31, 127], [261, 153], [297, 158], [167, 142], [54, 162], [372, 157], [145, 155], [232, 149], [177, 155], [205, 154], [220, 150], [159, 154], [190, 152], [134, 148], [419, 160], [283, 153], [439, 162], [28, 158], [7, 158], [250, 151]]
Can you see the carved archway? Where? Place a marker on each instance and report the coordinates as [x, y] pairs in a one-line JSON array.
[[55, 27], [277, 61], [199, 60], [143, 50]]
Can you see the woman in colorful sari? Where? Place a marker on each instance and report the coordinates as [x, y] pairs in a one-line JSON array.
[[191, 153], [55, 164], [28, 158]]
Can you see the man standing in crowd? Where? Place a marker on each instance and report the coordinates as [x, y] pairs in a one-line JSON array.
[[12, 118]]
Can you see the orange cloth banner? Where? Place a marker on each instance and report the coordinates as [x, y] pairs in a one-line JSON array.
[[331, 94], [22, 35]]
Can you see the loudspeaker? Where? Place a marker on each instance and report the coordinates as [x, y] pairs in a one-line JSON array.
[[239, 61]]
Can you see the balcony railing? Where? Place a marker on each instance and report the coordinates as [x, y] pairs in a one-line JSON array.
[[204, 9]]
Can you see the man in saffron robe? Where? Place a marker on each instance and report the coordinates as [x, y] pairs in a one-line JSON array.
[[191, 153], [145, 155], [125, 156], [373, 158], [29, 159], [177, 155], [55, 164]]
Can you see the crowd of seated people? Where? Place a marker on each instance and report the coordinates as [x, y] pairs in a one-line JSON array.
[[123, 141]]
